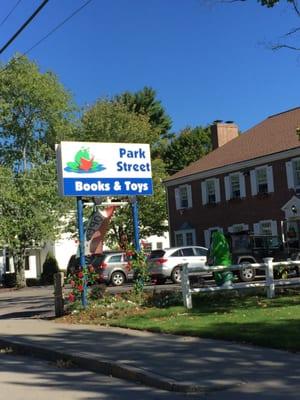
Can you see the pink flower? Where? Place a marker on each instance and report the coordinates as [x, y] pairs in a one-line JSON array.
[[71, 297], [72, 283]]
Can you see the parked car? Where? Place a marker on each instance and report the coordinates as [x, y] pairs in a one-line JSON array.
[[113, 267], [164, 264], [247, 249]]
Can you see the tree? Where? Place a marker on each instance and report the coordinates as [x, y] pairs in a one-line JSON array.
[[30, 211], [290, 35], [144, 102], [111, 121], [190, 145], [152, 213], [35, 113]]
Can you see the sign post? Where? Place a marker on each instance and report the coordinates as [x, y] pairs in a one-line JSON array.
[[81, 248], [135, 217]]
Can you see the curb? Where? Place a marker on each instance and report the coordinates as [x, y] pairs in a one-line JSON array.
[[114, 369]]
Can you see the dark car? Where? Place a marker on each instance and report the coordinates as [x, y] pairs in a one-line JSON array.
[[249, 249], [112, 267]]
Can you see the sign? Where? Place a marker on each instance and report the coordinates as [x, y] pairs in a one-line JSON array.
[[104, 169]]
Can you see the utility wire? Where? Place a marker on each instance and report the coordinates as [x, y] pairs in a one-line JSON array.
[[24, 26], [11, 11], [48, 34], [58, 26]]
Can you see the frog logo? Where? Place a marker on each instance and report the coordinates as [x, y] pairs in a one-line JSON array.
[[84, 163]]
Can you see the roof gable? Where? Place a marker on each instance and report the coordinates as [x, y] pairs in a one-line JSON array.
[[275, 134]]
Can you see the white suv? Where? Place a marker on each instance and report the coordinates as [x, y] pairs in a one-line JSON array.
[[164, 264]]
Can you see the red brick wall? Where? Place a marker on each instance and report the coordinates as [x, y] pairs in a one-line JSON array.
[[249, 210]]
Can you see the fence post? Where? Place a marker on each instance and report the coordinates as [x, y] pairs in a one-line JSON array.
[[185, 286], [58, 294], [269, 277]]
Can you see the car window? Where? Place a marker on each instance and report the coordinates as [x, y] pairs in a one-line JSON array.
[[188, 252], [176, 253], [157, 254], [95, 260], [115, 258], [200, 252]]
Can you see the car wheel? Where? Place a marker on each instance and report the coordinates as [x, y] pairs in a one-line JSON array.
[[117, 278], [176, 275], [246, 274]]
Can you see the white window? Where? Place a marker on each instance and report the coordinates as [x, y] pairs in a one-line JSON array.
[[208, 232], [293, 173], [238, 228], [235, 186], [185, 237], [267, 227], [262, 180], [183, 197], [210, 191]]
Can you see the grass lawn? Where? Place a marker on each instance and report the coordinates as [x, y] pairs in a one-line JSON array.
[[247, 319]]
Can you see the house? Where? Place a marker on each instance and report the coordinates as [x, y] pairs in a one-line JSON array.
[[250, 181]]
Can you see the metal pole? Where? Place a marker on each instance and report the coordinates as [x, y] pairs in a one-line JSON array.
[[135, 216], [81, 248]]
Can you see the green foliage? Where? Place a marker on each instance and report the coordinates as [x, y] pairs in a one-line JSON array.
[[35, 113], [152, 213], [78, 280], [10, 280], [138, 261], [144, 102], [109, 121], [190, 145], [50, 267], [272, 3]]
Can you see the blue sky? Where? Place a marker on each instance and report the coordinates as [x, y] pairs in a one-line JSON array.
[[205, 61]]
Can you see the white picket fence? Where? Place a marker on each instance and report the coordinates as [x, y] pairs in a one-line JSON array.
[[269, 282]]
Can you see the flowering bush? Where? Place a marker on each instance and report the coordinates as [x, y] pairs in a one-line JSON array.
[[138, 262], [77, 280]]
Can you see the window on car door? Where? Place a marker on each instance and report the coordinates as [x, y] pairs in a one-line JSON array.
[[115, 259]]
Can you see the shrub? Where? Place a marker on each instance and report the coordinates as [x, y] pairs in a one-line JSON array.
[[32, 282], [10, 280], [50, 267]]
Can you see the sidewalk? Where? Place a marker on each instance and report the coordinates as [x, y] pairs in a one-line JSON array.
[[175, 363]]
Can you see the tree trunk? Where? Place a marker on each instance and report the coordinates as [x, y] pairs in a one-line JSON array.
[[19, 264]]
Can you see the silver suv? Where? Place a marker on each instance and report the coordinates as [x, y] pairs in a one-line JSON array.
[[113, 267], [164, 264]]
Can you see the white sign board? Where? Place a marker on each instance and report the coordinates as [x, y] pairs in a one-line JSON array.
[[104, 169]]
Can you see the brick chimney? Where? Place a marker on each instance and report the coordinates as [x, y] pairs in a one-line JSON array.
[[223, 132]]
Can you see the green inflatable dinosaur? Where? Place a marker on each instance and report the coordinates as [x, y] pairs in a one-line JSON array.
[[220, 254]]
